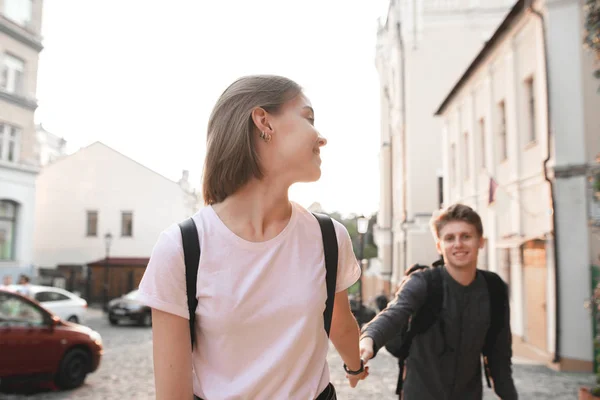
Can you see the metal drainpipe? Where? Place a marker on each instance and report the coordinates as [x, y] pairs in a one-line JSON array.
[[557, 356], [391, 166], [404, 152]]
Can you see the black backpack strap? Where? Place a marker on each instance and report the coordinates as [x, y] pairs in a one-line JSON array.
[[330, 249], [191, 255], [498, 295]]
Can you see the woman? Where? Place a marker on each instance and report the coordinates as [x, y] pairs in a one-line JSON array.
[[261, 279]]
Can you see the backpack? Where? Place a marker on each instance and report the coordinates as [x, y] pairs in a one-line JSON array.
[[191, 255], [429, 312]]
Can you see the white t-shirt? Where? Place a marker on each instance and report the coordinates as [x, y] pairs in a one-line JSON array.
[[259, 325]]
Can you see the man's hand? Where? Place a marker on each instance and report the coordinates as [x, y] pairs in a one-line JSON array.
[[353, 379], [366, 349]]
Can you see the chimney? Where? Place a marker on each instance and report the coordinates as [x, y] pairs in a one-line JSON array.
[[184, 182]]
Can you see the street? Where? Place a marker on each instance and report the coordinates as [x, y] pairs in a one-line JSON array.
[[126, 372]]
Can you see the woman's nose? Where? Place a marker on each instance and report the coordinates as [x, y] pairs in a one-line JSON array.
[[322, 141]]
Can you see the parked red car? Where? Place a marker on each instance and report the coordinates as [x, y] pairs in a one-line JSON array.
[[37, 345]]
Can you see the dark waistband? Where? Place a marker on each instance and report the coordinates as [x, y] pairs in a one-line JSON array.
[[327, 394]]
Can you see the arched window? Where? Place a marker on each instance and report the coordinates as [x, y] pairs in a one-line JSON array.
[[8, 225]]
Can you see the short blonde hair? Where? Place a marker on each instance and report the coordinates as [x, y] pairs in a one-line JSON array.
[[455, 212], [231, 157]]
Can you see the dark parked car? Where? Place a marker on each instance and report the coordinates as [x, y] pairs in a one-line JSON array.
[[128, 308], [36, 345]]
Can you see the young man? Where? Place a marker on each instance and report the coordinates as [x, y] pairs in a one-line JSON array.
[[445, 359]]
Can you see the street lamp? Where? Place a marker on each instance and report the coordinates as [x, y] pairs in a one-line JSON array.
[[362, 226], [107, 242]]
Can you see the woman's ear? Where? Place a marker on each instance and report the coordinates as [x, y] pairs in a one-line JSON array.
[[261, 119]]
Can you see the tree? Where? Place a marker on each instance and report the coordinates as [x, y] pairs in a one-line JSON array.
[[350, 222], [592, 30]]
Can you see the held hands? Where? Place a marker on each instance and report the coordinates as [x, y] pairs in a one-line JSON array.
[[353, 379], [366, 353]]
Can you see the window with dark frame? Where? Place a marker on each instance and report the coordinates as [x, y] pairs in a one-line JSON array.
[[453, 171], [8, 227], [92, 224], [530, 92], [502, 131], [483, 142], [467, 155], [440, 191], [126, 223]]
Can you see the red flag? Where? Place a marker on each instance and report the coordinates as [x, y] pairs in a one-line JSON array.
[[492, 191]]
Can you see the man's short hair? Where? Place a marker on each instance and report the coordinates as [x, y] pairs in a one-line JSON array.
[[455, 212]]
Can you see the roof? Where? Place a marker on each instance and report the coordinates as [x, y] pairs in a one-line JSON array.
[[121, 262], [101, 144], [506, 24]]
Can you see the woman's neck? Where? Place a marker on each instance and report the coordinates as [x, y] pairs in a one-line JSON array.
[[258, 211]]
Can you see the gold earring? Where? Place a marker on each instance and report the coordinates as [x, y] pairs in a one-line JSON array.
[[265, 136]]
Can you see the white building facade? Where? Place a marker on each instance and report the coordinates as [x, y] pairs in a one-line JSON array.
[[97, 190], [20, 45], [521, 132], [422, 46]]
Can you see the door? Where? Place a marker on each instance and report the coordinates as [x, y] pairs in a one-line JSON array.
[[24, 337], [58, 304], [535, 277]]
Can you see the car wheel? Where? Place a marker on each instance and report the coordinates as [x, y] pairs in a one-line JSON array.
[[146, 319], [73, 369], [74, 319], [113, 321]]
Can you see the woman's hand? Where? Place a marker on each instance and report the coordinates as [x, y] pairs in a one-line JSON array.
[[344, 336], [353, 379]]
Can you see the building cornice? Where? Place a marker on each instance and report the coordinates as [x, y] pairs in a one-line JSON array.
[[22, 35], [30, 169], [18, 100]]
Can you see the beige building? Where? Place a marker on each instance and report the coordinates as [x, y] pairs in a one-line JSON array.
[[521, 134], [20, 45], [422, 46]]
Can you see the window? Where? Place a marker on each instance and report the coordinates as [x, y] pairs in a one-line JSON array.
[[440, 182], [530, 93], [50, 296], [452, 164], [18, 11], [19, 313], [10, 138], [467, 155], [483, 142], [502, 131], [92, 223], [8, 222], [127, 223], [12, 74]]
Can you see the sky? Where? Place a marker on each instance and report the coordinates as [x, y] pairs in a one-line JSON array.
[[142, 77]]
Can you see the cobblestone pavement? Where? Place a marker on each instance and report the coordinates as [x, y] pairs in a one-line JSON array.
[[126, 372]]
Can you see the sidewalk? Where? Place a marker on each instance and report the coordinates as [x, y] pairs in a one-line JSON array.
[[533, 381]]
